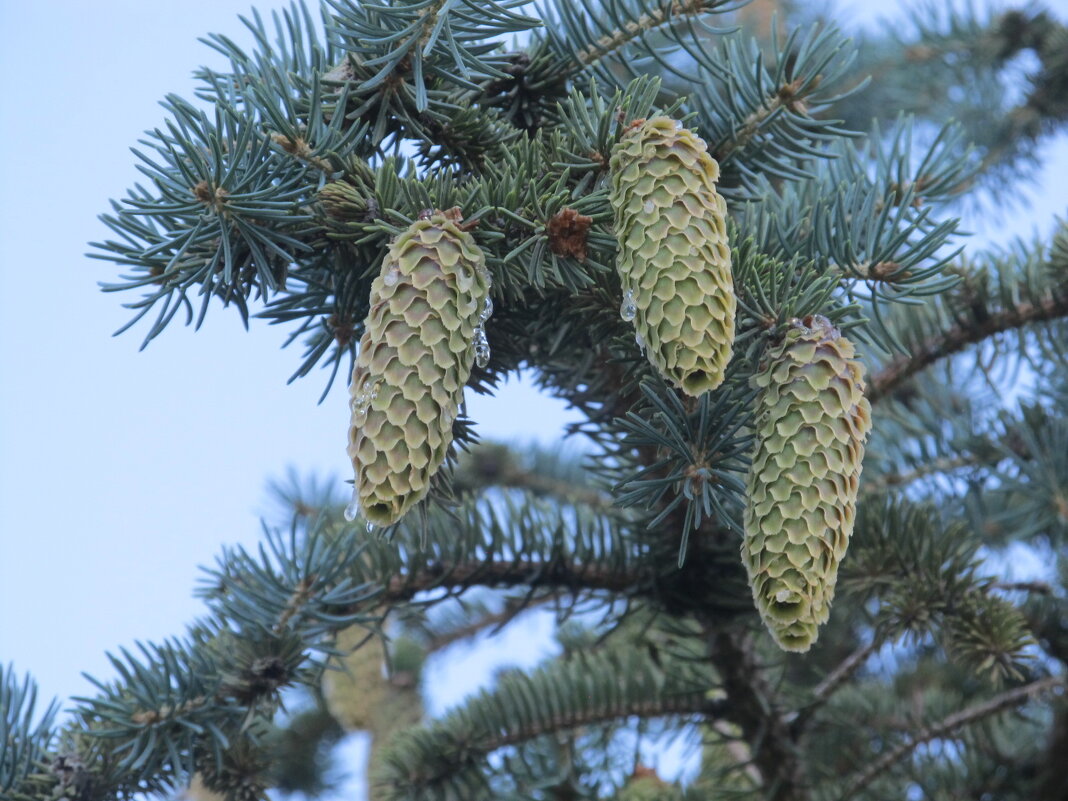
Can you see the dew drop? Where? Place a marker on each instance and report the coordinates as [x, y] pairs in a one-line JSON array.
[[487, 310], [628, 310], [361, 402], [448, 415], [352, 511], [482, 348], [391, 277]]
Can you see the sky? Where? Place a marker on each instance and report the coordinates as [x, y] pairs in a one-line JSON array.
[[122, 471]]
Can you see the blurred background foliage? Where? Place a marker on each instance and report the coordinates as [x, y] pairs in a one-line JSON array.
[[845, 159]]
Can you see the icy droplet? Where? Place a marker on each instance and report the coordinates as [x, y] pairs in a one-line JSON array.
[[391, 277], [487, 310], [361, 402], [448, 415], [628, 310], [352, 511], [648, 207], [482, 348]]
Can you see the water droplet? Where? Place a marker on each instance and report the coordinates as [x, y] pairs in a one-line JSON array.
[[648, 207], [628, 309], [482, 348], [361, 402], [391, 277], [641, 342], [487, 310], [352, 511], [448, 415]]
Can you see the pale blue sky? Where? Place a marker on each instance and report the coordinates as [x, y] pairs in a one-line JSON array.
[[120, 471]]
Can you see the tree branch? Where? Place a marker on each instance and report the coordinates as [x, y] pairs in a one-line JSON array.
[[496, 574], [622, 36], [996, 704], [834, 680], [751, 704], [692, 704], [959, 337]]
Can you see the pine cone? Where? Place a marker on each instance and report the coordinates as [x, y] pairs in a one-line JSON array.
[[812, 420], [674, 262], [428, 306], [355, 687]]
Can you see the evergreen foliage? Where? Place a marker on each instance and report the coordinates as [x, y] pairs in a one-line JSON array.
[[279, 191]]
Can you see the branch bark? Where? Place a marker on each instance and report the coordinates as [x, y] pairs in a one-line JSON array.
[[955, 721], [752, 705], [959, 337]]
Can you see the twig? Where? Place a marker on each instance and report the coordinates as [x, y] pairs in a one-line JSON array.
[[752, 705], [960, 336], [512, 608], [955, 721], [1039, 587], [835, 679]]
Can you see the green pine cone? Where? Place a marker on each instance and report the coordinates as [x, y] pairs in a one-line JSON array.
[[811, 423], [674, 262], [428, 306], [354, 686]]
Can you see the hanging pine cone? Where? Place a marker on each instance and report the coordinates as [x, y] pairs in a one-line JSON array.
[[355, 686], [423, 332], [674, 262], [811, 423]]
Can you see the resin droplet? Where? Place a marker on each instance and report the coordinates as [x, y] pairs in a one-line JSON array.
[[391, 277], [370, 528], [640, 341], [648, 208], [487, 310], [352, 511], [482, 348], [628, 310]]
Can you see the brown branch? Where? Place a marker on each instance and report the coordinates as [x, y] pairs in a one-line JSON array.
[[510, 573], [513, 607], [834, 680], [1038, 587], [959, 337], [632, 30], [936, 466], [955, 721], [695, 703], [750, 703], [785, 97]]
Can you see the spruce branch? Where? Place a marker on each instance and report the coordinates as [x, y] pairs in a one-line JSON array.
[[756, 708], [948, 725], [832, 682], [586, 689], [959, 337]]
